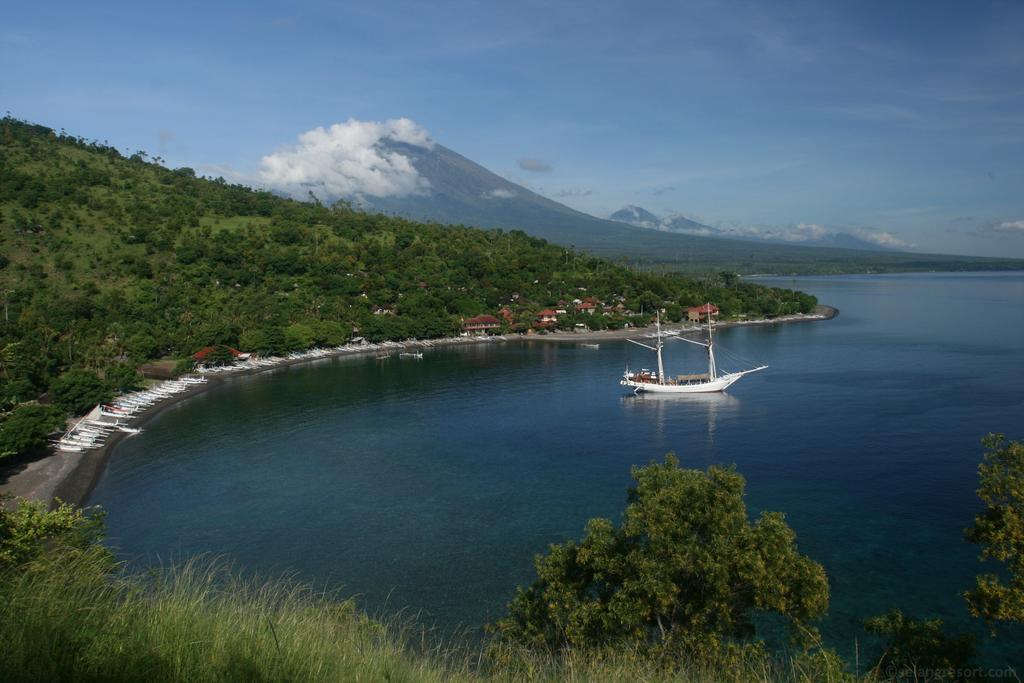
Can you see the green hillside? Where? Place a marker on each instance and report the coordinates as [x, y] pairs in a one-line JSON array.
[[110, 261]]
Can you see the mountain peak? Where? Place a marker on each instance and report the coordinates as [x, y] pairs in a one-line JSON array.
[[635, 215], [640, 217]]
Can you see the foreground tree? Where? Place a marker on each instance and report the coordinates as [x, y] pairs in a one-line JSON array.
[[919, 650], [28, 528], [999, 530], [686, 571]]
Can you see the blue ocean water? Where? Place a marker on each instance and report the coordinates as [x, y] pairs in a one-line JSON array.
[[428, 486]]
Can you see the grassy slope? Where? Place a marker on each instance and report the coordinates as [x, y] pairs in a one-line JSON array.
[[64, 619]]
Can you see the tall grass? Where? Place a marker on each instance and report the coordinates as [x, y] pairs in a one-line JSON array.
[[65, 617]]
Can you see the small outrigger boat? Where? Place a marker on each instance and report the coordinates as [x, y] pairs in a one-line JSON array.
[[705, 382], [591, 346], [411, 354]]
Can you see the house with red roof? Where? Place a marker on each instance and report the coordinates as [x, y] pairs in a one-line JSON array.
[[200, 355], [701, 314], [547, 316], [480, 324]]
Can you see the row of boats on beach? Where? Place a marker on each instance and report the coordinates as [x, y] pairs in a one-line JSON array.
[[412, 348], [93, 430]]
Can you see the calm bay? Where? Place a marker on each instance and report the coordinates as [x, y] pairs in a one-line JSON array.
[[428, 485]]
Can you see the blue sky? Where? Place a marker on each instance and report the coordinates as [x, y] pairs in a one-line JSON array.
[[903, 117]]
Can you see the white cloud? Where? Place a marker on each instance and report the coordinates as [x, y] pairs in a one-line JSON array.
[[498, 193], [801, 233], [350, 159], [881, 238], [1009, 227], [805, 232], [1000, 229]]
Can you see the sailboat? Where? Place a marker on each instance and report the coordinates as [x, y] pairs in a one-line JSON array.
[[700, 383]]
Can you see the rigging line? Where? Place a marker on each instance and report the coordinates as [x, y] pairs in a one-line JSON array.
[[642, 344], [692, 341], [735, 355], [721, 349], [746, 362]]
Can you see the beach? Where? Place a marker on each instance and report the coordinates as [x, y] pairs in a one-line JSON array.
[[71, 477]]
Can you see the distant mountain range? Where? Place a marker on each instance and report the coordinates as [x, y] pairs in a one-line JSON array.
[[642, 218], [802, 235], [464, 192], [455, 190]]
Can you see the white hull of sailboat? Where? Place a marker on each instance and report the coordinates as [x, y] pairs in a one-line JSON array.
[[648, 382], [720, 383]]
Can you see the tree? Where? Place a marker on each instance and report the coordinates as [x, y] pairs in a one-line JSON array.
[[16, 391], [685, 570], [919, 650], [220, 355], [298, 336], [331, 332], [729, 280], [999, 530], [123, 377], [77, 390], [29, 528], [253, 341], [25, 429]]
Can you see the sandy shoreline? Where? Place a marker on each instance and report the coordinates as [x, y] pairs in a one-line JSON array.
[[71, 477]]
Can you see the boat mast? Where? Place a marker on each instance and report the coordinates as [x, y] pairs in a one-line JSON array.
[[661, 365], [712, 373]]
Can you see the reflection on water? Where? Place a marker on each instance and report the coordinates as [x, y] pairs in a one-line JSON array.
[[663, 409]]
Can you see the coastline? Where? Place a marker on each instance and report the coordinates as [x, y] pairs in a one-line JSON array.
[[820, 312], [71, 477]]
